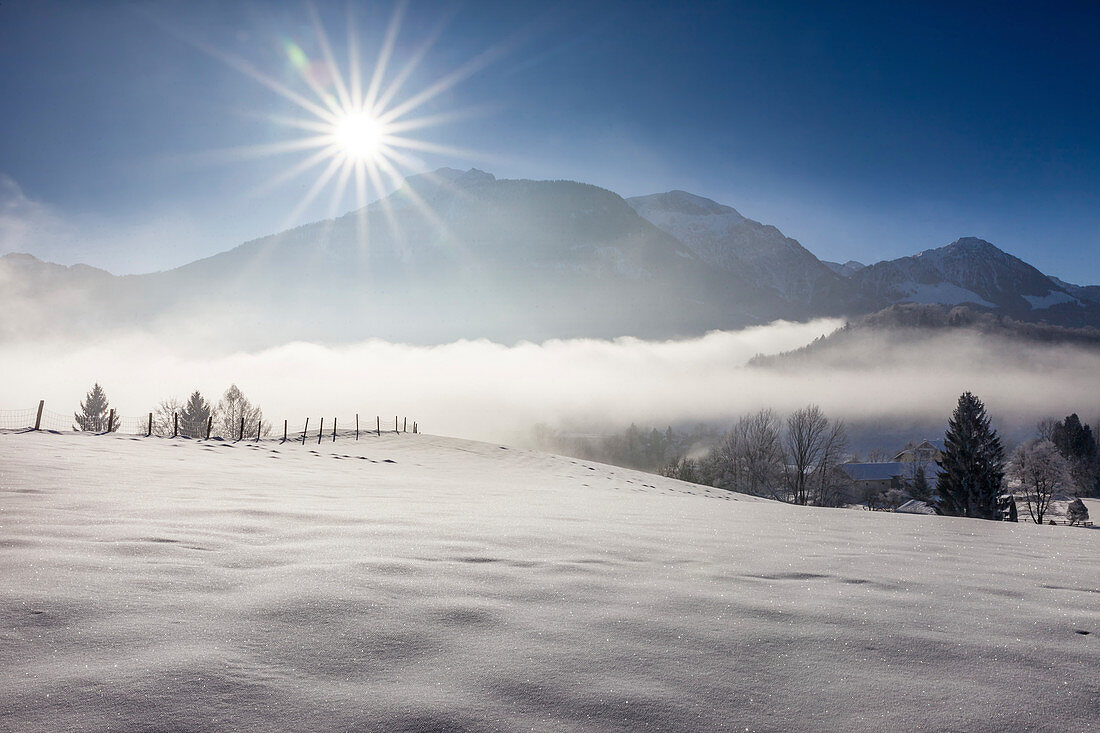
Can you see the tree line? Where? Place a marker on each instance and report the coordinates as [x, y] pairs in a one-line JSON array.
[[193, 417], [797, 458]]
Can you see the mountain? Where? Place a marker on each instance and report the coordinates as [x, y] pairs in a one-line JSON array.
[[847, 269], [973, 271], [722, 237], [461, 254], [914, 334], [450, 255], [1089, 293]]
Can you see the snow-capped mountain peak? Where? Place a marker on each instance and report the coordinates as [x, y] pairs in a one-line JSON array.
[[682, 202], [722, 237], [969, 270]]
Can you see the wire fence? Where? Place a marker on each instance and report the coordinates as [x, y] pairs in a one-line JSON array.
[[162, 425]]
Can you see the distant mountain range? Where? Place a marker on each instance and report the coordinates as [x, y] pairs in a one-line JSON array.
[[456, 254]]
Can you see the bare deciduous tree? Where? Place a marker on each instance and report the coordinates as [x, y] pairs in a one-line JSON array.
[[807, 432], [1040, 470], [830, 480], [164, 416], [763, 453], [232, 408], [1045, 428]]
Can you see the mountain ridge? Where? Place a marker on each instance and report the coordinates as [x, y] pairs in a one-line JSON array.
[[519, 259]]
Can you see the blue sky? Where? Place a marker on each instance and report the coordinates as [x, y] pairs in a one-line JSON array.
[[865, 130]]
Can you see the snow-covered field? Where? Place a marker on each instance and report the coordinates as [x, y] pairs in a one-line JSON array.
[[416, 583]]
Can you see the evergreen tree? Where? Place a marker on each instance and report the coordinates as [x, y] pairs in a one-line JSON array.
[[1077, 443], [1073, 439], [972, 468], [196, 413], [919, 487], [94, 411]]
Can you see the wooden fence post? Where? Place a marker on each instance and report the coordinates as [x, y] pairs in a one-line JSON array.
[[320, 431], [38, 418], [395, 424], [284, 430], [378, 425], [304, 431], [357, 426], [405, 425], [259, 425], [110, 420], [333, 430], [241, 432], [149, 434], [175, 424], [209, 425]]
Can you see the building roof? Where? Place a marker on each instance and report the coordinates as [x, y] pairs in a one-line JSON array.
[[915, 506], [874, 471]]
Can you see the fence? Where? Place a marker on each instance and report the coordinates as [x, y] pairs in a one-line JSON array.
[[163, 425]]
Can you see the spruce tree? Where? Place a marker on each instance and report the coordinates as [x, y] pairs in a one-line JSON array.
[[972, 468], [918, 487], [94, 411], [195, 416]]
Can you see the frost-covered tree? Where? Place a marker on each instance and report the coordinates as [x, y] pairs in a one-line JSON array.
[[1040, 470], [972, 468], [231, 408], [195, 416], [749, 458], [164, 415], [1077, 512], [94, 411]]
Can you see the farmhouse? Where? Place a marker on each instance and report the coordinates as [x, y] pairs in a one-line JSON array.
[[926, 452], [877, 476], [898, 473]]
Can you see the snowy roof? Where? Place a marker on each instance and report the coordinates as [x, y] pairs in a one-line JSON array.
[[915, 506], [874, 471]]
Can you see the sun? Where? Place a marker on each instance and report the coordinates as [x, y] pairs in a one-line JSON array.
[[362, 129], [359, 135]]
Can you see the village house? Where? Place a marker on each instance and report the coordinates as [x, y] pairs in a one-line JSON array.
[[882, 476]]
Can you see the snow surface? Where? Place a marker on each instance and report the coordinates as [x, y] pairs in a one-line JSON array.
[[943, 292], [154, 584], [719, 235], [1054, 297]]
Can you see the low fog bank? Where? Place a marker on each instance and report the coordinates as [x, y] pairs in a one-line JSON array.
[[488, 391]]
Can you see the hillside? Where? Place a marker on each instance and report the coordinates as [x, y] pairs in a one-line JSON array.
[[410, 583], [911, 324]]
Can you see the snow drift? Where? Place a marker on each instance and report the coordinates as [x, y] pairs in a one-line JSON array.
[[412, 583]]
